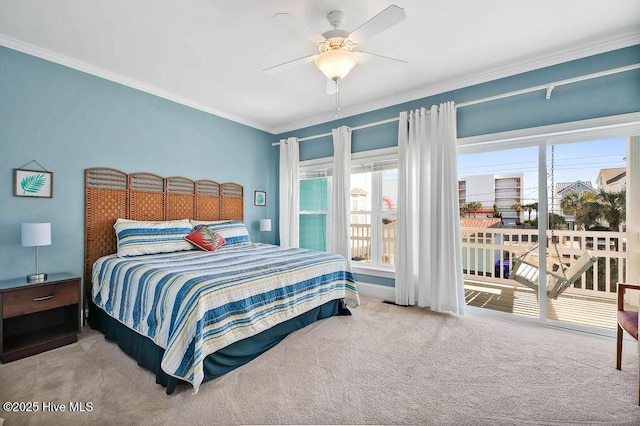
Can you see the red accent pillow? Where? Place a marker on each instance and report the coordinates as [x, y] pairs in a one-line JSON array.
[[205, 238]]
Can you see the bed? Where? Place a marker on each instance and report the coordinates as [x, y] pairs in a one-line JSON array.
[[186, 314]]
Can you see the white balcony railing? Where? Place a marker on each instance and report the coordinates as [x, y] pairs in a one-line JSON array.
[[487, 254], [361, 243]]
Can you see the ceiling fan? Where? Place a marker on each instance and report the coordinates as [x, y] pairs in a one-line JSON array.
[[336, 55]]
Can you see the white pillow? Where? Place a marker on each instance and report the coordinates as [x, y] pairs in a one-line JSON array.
[[141, 237]]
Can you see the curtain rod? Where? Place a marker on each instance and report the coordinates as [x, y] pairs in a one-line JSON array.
[[548, 87]]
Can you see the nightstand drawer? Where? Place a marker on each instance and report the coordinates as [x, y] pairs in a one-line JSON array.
[[27, 300]]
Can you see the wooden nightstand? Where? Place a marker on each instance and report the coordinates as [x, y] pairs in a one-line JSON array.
[[38, 317]]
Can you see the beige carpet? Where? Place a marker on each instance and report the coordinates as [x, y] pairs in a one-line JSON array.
[[385, 364]]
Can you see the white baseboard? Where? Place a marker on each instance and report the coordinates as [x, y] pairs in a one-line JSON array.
[[376, 290]]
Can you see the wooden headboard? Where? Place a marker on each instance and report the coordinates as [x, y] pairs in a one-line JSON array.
[[111, 194]]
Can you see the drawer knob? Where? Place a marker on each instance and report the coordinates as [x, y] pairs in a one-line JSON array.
[[40, 299]]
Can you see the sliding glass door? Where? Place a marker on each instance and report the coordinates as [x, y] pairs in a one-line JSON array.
[[588, 252], [498, 193], [545, 231]]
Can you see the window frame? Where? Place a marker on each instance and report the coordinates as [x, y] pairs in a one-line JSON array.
[[378, 155], [309, 167]]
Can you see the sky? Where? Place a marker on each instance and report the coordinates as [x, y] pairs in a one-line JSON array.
[[573, 161]]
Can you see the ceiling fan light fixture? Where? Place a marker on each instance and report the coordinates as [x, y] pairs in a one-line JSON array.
[[336, 64]]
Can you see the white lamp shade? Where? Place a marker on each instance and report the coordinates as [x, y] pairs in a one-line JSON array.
[[36, 234], [336, 64], [265, 225]]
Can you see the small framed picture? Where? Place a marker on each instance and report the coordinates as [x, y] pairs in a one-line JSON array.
[[260, 198], [32, 183]]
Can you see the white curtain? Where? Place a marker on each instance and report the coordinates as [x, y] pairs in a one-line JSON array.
[[429, 263], [339, 207], [289, 193]]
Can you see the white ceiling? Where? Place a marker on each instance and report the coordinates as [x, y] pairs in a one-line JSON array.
[[209, 54]]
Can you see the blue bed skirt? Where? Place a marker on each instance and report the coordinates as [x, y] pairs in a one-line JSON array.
[[149, 355]]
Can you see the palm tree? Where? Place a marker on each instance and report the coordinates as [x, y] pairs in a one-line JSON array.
[[587, 210], [584, 206], [588, 215], [518, 208], [496, 212], [529, 208], [613, 207], [569, 202], [556, 222], [464, 210], [474, 206]]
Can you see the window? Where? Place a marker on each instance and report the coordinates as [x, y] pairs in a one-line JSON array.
[[314, 201], [374, 198], [374, 187]]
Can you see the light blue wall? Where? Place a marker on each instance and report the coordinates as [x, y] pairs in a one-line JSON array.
[[68, 121], [605, 96]]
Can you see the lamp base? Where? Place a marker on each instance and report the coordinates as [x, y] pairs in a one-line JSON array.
[[36, 278]]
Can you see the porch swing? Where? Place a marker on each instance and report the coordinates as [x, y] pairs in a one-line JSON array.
[[526, 269]]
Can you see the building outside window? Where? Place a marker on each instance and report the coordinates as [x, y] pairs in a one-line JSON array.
[[492, 194]]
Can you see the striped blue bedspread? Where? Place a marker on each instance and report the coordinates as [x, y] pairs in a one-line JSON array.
[[192, 303]]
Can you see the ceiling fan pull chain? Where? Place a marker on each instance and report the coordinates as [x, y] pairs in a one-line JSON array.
[[337, 80]]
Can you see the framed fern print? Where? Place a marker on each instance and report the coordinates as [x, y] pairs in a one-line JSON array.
[[260, 198], [32, 183]]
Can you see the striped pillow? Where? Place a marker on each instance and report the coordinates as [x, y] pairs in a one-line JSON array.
[[139, 237], [233, 231], [198, 223]]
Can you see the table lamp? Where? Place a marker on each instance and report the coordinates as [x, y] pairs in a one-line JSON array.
[[36, 235], [265, 225]]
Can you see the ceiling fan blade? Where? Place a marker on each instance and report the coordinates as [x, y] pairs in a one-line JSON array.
[[382, 21], [363, 57], [298, 26], [331, 87], [289, 64]]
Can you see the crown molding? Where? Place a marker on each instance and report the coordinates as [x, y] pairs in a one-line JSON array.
[[66, 61], [620, 41]]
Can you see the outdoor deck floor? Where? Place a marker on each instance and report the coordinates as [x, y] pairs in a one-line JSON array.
[[578, 309]]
